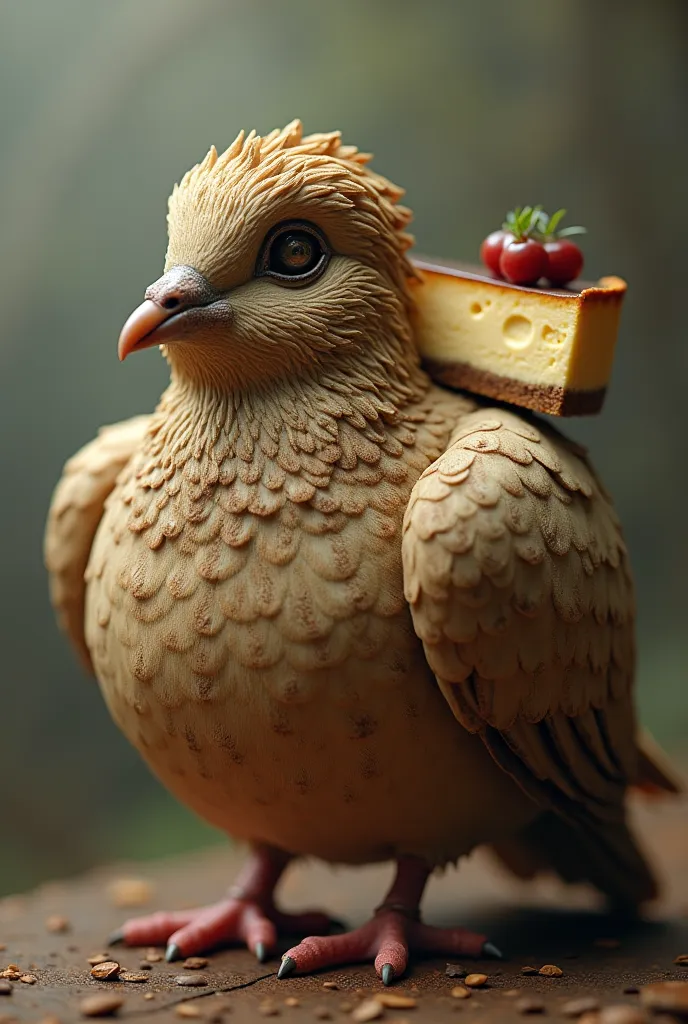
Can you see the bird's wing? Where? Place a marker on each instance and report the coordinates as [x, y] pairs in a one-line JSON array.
[[75, 512], [519, 586]]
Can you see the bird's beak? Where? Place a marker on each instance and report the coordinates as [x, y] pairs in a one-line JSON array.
[[161, 316]]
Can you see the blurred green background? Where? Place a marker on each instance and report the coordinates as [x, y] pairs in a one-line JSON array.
[[473, 106]]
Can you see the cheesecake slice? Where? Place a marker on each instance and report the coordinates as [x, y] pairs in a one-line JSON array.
[[548, 349]]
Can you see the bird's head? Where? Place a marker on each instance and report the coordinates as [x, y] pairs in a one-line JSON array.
[[283, 251]]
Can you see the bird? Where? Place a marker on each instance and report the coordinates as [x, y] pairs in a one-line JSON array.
[[341, 611]]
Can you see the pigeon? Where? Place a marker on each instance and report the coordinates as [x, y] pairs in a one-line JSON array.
[[343, 612]]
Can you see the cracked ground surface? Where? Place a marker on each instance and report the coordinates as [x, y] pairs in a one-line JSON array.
[[534, 924]]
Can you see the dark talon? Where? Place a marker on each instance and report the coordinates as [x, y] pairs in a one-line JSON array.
[[387, 974], [489, 949], [173, 952], [336, 925], [261, 952], [116, 938], [287, 967]]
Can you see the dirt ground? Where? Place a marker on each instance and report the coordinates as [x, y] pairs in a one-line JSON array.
[[535, 924]]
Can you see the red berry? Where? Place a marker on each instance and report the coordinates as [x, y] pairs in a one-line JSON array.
[[523, 262], [564, 261], [491, 249]]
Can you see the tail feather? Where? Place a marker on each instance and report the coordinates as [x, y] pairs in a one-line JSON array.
[[608, 856], [655, 773]]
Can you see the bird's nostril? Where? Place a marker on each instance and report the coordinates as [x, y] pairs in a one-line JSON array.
[[171, 302]]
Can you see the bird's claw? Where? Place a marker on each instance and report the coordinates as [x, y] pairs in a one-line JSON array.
[[116, 938], [490, 950], [287, 967], [387, 974], [172, 953]]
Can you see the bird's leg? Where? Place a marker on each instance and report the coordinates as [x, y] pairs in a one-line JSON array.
[[387, 938], [248, 915]]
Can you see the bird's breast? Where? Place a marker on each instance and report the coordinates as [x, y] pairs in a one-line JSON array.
[[257, 648]]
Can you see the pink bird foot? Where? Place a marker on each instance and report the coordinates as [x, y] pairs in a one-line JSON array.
[[387, 938], [247, 916]]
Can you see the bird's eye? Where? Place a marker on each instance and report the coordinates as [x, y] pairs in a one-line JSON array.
[[294, 254]]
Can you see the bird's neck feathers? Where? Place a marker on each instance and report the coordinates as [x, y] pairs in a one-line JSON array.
[[361, 395]]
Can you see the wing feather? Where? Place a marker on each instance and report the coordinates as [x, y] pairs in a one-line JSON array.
[[75, 512], [518, 580]]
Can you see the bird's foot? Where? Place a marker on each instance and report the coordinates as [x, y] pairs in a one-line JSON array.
[[254, 923], [386, 939], [247, 916]]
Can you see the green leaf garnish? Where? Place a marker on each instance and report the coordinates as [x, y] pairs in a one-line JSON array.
[[523, 221], [532, 222], [573, 230], [548, 227]]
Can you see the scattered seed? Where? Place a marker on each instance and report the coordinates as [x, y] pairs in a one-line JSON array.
[[154, 956], [136, 976], [98, 958], [268, 1009], [191, 980], [393, 1001], [29, 979], [681, 959], [57, 923], [475, 980], [512, 993], [3, 947], [187, 1010], [11, 973], [50, 1020], [130, 892], [5, 988], [529, 970], [346, 1007], [292, 1001], [551, 971], [332, 985], [631, 990], [145, 966], [607, 943], [461, 992], [666, 996], [528, 1005], [455, 971], [322, 1013], [620, 1013], [107, 970], [195, 963], [371, 1009], [101, 1005], [577, 1007]]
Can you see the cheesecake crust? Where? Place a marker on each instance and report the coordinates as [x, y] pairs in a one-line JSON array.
[[552, 399]]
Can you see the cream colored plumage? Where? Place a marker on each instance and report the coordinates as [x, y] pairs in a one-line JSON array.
[[341, 611]]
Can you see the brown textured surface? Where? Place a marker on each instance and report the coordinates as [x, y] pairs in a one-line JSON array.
[[556, 401], [476, 272], [534, 925]]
